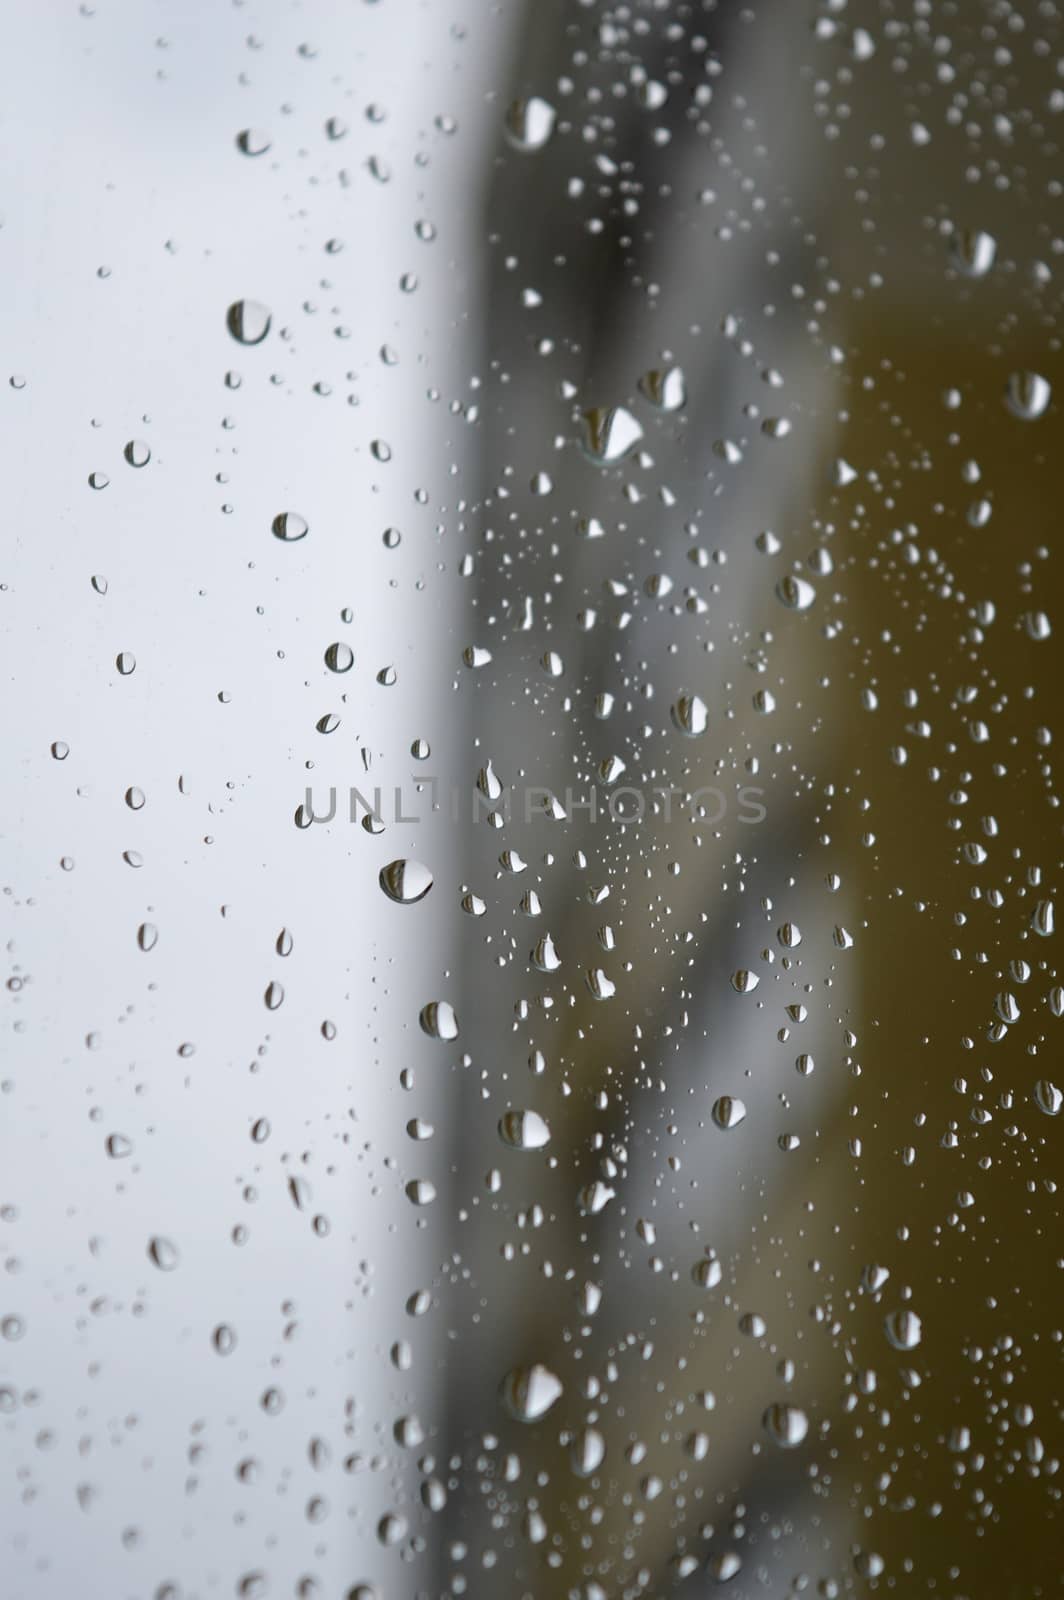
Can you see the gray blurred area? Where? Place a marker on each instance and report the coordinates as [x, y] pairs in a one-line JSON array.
[[278, 1274]]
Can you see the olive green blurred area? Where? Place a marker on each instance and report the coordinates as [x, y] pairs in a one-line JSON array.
[[912, 754]]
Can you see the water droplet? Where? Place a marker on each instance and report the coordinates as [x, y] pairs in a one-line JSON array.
[[137, 453], [290, 526], [594, 1197], [408, 1432], [118, 1146], [274, 996], [126, 662], [708, 1272], [438, 1020], [529, 123], [665, 388], [743, 981], [728, 1111], [248, 321], [786, 1425], [609, 433], [405, 882], [224, 1339], [724, 1566], [253, 142], [524, 1130], [147, 936], [1027, 395], [163, 1252], [529, 1392], [1048, 1098], [690, 716], [391, 1529], [587, 1452], [904, 1329], [973, 251], [339, 657], [545, 957], [795, 593]]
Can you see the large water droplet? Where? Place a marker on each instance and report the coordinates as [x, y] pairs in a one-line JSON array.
[[973, 251], [438, 1020], [609, 433], [795, 593], [587, 1452], [405, 882], [253, 142], [904, 1329], [529, 123], [524, 1130], [664, 388], [529, 1392], [290, 526], [690, 716], [708, 1272], [1027, 395], [163, 1252], [248, 321], [728, 1111], [1048, 1098], [545, 957], [785, 1425], [339, 657]]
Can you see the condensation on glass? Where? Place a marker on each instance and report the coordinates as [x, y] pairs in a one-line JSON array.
[[531, 600]]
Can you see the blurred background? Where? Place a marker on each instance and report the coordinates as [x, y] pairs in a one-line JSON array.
[[529, 601]]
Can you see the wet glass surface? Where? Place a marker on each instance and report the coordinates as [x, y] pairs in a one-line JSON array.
[[530, 599]]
